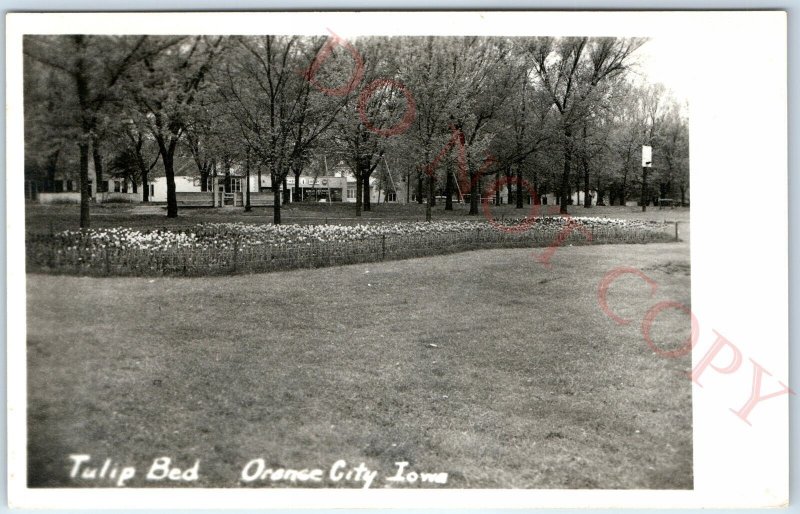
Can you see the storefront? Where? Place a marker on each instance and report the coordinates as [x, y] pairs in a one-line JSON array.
[[315, 189]]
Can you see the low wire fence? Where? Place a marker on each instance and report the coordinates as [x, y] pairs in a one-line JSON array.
[[45, 254]]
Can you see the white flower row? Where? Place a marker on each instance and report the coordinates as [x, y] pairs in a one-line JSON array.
[[228, 235]]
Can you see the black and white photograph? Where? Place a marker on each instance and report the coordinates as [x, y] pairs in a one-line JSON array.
[[359, 256]]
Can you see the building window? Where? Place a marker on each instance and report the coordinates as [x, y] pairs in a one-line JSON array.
[[58, 186], [69, 185], [236, 185], [351, 192], [117, 186], [391, 197], [124, 186]]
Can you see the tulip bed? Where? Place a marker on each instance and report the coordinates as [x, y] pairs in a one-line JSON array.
[[226, 248]]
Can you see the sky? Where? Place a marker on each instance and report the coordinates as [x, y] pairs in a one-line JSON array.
[[668, 61]]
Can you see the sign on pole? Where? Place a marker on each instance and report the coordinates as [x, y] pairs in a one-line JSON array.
[[647, 156]]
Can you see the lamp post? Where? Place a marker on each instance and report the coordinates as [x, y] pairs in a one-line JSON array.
[[647, 162]]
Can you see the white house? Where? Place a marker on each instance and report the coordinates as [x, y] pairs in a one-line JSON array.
[[183, 184], [576, 197], [338, 185], [66, 190]]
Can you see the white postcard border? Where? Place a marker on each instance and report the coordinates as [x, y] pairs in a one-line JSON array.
[[738, 120]]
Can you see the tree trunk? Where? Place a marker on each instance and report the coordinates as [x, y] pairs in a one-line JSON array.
[[683, 196], [276, 203], [204, 178], [145, 187], [82, 87], [167, 158], [587, 200], [474, 194], [359, 191], [599, 188], [98, 166], [564, 191], [419, 188], [285, 187], [623, 190], [169, 171], [247, 184], [519, 187], [367, 204], [448, 192], [52, 162], [84, 179], [497, 187], [431, 193], [298, 195]]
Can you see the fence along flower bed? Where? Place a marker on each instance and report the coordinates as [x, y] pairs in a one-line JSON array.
[[227, 248]]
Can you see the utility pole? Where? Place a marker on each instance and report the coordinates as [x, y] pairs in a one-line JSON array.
[[644, 188], [247, 178], [325, 159], [408, 186], [647, 162]]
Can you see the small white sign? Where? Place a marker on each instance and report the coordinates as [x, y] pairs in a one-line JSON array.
[[647, 156]]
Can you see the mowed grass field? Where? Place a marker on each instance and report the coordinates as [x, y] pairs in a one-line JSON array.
[[484, 365]]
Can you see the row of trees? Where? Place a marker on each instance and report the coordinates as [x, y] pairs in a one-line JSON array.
[[453, 115]]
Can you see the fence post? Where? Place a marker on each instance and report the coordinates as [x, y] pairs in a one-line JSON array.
[[52, 254], [676, 231], [235, 254], [383, 247]]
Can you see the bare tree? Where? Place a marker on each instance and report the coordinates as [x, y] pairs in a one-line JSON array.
[[95, 66], [573, 71]]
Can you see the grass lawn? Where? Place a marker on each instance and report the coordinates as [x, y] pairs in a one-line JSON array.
[[45, 218], [482, 364]]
